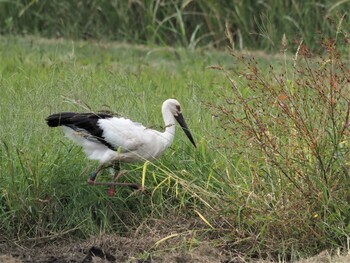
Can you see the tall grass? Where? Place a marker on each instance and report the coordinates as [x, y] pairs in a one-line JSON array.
[[43, 191], [290, 126], [254, 24]]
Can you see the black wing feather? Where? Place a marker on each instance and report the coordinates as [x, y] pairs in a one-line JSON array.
[[81, 121]]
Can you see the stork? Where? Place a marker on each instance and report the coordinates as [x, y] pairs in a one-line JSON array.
[[113, 140]]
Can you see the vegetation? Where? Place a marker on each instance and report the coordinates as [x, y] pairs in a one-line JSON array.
[[43, 175], [280, 161], [269, 177], [290, 125], [254, 24]]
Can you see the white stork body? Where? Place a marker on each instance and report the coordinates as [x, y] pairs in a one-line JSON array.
[[110, 139], [132, 141]]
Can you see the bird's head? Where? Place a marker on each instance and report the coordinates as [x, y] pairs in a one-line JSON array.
[[174, 107]]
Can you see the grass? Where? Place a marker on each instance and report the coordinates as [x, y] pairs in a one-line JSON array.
[[253, 24], [43, 174], [293, 124], [231, 186]]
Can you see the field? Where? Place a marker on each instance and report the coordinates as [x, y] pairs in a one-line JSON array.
[[268, 160]]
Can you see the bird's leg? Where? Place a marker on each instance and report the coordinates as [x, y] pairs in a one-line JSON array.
[[113, 184], [92, 177], [117, 173]]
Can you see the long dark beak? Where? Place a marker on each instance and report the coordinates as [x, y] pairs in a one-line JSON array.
[[180, 119]]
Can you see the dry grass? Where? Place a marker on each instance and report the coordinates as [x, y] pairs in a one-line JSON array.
[[141, 248]]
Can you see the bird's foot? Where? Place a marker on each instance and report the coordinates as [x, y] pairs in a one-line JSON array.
[[92, 178], [136, 187], [111, 191], [139, 189], [112, 185]]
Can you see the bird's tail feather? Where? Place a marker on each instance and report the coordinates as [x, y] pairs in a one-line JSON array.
[[59, 119]]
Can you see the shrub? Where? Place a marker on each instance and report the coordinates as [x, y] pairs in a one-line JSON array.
[[289, 126]]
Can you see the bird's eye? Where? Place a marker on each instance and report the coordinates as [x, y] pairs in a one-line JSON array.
[[178, 108]]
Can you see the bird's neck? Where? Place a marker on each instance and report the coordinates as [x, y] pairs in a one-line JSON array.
[[169, 121]]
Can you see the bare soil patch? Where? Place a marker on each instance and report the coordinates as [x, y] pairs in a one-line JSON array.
[[172, 240], [110, 248], [140, 249]]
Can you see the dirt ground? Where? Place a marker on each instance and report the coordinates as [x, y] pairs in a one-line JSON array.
[[112, 249], [174, 239], [108, 248]]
